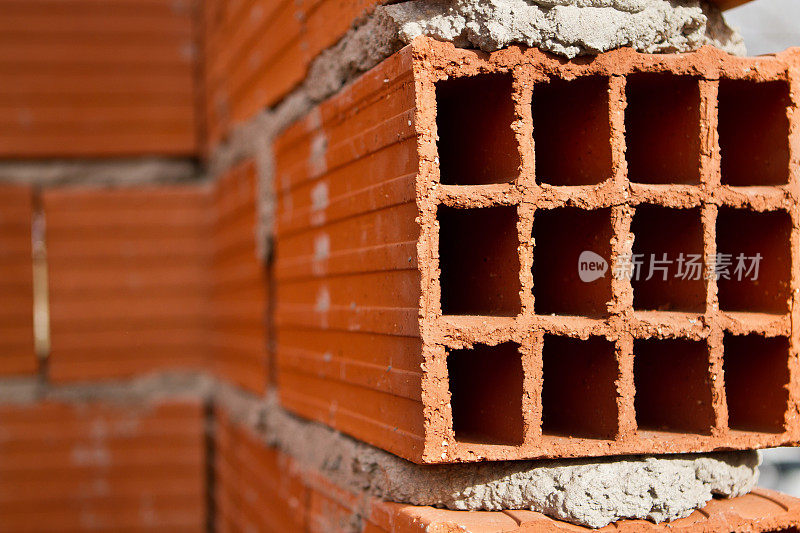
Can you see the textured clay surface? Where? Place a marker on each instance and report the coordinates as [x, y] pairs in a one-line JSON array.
[[511, 341]]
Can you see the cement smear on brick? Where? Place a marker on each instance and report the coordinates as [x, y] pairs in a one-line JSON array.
[[587, 492], [566, 27]]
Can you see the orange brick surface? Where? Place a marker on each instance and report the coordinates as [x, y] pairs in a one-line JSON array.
[[87, 78], [16, 281], [348, 288], [129, 280], [239, 283], [430, 221], [95, 467]]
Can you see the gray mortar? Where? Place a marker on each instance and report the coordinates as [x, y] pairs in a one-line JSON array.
[[594, 492], [566, 27], [590, 492], [103, 172]]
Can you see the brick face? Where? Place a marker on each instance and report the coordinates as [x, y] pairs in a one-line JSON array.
[[427, 204], [96, 467], [345, 268], [106, 80], [16, 281], [129, 280]]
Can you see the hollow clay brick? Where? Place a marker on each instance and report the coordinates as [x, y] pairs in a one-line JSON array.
[[239, 290], [105, 81], [97, 466], [392, 281], [129, 280], [17, 355]]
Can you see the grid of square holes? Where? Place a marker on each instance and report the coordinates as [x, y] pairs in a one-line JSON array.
[[517, 208]]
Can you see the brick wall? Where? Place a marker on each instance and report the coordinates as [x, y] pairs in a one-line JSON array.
[[87, 78], [129, 280], [102, 467]]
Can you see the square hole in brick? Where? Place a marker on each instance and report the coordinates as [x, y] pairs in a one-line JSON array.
[[486, 394], [579, 396], [570, 261], [662, 128], [476, 143], [754, 132], [479, 261], [667, 261], [753, 252], [673, 386], [572, 131], [756, 382]]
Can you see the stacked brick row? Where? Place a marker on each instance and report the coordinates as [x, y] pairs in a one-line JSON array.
[[102, 467], [261, 489], [258, 50], [87, 78], [16, 281], [521, 358]]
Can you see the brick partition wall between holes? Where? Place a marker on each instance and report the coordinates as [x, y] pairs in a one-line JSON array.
[[483, 341]]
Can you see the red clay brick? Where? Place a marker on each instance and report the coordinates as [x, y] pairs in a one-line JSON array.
[[388, 260], [240, 285], [105, 81], [95, 466], [17, 355], [129, 282]]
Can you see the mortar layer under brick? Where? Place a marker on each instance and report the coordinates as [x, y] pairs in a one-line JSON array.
[[375, 333]]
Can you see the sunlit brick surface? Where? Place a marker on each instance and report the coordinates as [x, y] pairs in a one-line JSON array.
[[528, 162]]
